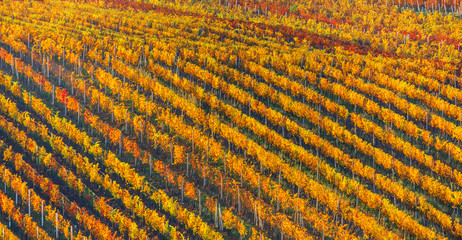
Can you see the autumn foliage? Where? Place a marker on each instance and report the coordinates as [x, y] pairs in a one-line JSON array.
[[230, 119]]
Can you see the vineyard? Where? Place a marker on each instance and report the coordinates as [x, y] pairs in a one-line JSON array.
[[230, 119]]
